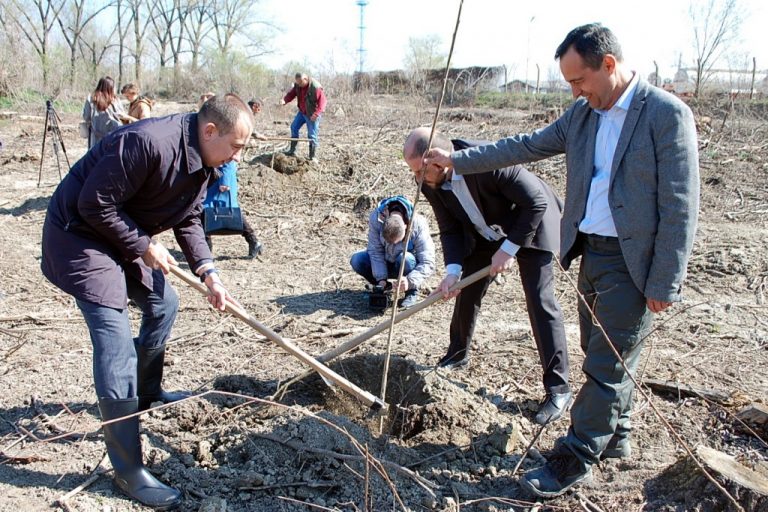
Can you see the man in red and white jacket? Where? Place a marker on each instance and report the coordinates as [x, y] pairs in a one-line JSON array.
[[311, 102]]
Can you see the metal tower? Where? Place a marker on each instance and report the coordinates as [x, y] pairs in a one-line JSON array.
[[361, 50]]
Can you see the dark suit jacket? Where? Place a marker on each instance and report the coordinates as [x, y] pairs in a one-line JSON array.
[[519, 202]]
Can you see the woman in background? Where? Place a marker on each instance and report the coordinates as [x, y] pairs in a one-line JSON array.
[[102, 112]]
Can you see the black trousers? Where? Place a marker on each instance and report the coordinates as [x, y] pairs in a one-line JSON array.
[[546, 317]]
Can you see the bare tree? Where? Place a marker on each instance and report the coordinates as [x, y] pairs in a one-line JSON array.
[[168, 19], [73, 22], [716, 25], [140, 24], [161, 19], [422, 54], [94, 46], [230, 17], [198, 28], [35, 19], [122, 28]]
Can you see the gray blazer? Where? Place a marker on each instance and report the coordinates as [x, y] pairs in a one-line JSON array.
[[654, 190]]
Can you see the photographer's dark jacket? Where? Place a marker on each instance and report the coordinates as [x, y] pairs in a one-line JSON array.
[[140, 180]]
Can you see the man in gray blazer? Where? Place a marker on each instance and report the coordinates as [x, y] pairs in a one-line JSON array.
[[632, 198], [498, 218]]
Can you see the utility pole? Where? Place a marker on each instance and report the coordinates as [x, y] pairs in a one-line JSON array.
[[528, 52], [361, 50]]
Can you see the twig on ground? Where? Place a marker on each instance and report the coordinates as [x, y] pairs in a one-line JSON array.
[[586, 504], [319, 484], [509, 501], [527, 449], [310, 505], [95, 474], [421, 481]]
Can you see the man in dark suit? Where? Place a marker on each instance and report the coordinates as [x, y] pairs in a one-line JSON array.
[[497, 218], [632, 201]]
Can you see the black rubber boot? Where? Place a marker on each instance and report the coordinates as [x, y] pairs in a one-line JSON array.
[[124, 450], [312, 149], [150, 377], [292, 151]]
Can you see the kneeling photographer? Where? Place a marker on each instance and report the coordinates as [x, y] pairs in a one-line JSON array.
[[381, 261]]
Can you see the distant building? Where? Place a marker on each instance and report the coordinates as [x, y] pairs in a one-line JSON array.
[[546, 87]]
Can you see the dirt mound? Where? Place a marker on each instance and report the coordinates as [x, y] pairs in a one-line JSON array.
[[424, 406], [283, 163]]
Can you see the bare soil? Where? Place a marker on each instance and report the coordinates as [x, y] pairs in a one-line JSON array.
[[459, 433]]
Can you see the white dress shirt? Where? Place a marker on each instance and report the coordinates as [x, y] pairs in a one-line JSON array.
[[598, 219], [458, 186]]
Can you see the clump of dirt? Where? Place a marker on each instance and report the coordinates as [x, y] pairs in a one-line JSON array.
[[364, 203], [283, 163], [21, 158]]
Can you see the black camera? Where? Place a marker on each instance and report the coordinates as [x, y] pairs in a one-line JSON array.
[[380, 297]]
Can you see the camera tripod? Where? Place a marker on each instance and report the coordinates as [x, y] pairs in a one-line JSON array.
[[52, 121]]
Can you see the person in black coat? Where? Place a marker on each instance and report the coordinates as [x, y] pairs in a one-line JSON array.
[[98, 246], [496, 218]]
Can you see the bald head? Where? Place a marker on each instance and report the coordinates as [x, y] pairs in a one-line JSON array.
[[414, 149], [417, 143]]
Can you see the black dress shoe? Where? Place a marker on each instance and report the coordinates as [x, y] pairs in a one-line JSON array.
[[561, 472], [553, 407], [453, 361]]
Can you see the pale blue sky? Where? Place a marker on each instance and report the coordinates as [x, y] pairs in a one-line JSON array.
[[325, 33]]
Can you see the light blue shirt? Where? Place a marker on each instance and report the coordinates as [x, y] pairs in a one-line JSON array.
[[598, 219], [458, 186]]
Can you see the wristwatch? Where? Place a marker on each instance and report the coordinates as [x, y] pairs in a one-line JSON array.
[[208, 272]]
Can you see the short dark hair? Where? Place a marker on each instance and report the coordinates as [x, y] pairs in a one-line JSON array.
[[592, 42], [224, 112], [254, 102], [130, 88], [393, 230]]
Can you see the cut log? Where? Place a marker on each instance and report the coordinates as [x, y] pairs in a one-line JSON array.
[[675, 388], [728, 467], [756, 414]]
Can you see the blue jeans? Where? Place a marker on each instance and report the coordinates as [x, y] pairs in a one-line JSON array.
[[313, 127], [361, 263], [114, 353]]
